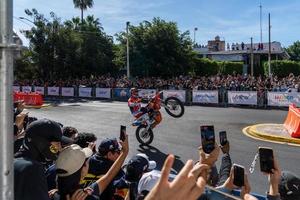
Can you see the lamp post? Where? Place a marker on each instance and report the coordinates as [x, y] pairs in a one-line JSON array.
[[195, 29], [6, 100], [127, 39]]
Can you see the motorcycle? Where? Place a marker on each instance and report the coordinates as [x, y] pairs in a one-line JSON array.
[[144, 132]]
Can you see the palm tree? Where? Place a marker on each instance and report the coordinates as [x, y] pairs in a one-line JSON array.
[[83, 5]]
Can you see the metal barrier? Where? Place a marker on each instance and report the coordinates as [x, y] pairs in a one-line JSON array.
[[220, 97]]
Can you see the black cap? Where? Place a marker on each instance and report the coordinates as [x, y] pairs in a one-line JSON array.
[[289, 186], [47, 129], [135, 168]]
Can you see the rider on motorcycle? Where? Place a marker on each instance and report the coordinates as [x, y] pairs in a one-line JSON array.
[[134, 104]]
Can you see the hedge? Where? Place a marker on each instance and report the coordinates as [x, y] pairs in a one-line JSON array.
[[283, 68]]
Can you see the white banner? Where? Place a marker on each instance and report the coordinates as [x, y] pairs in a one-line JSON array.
[[16, 88], [180, 94], [283, 98], [26, 89], [242, 97], [147, 93], [103, 93], [67, 91], [40, 90], [85, 92], [204, 96], [53, 91]]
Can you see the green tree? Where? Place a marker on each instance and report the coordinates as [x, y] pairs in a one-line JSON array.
[[157, 48], [294, 51], [83, 5]]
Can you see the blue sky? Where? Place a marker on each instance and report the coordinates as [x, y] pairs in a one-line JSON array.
[[233, 20]]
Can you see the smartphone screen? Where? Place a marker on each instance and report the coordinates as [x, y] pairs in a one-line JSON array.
[[238, 175], [207, 138], [223, 138], [266, 159], [122, 132]]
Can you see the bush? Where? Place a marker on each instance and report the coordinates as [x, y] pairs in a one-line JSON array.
[[207, 67], [282, 68]]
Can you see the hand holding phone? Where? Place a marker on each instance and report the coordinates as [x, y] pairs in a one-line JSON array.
[[266, 159], [207, 138], [122, 133], [238, 175]]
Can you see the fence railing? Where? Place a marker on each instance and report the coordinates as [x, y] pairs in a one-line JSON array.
[[219, 97]]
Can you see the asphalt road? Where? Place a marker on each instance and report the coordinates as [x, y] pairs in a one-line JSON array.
[[180, 136]]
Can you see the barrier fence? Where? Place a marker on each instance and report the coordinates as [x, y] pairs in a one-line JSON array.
[[219, 97]]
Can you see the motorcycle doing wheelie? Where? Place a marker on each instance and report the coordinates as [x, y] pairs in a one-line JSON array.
[[144, 132]]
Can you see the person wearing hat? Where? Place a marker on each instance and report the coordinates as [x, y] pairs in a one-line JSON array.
[[101, 162], [42, 142], [73, 165], [135, 168]]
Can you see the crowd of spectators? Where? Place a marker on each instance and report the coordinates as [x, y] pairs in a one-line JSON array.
[[57, 162], [234, 82]]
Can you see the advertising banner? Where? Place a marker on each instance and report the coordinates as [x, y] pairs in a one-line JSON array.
[[121, 93], [67, 92], [283, 98], [16, 88], [242, 97], [53, 91], [40, 90], [205, 96], [103, 93], [180, 94], [147, 93], [26, 89], [85, 92]]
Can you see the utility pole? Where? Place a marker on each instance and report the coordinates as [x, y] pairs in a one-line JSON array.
[[6, 100], [269, 54], [251, 59], [260, 23], [127, 37]]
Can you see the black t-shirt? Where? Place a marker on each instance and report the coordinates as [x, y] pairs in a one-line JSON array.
[[95, 195], [30, 181]]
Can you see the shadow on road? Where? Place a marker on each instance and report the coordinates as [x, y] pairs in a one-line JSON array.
[[155, 154]]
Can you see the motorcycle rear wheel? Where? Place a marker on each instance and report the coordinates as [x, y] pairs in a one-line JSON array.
[[143, 136]]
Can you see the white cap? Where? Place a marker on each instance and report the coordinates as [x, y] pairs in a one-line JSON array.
[[152, 163], [71, 159]]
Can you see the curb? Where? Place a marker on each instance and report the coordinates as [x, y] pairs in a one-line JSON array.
[[250, 131], [37, 107]]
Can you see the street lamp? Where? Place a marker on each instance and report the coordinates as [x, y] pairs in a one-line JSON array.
[[195, 29], [127, 38], [24, 18]]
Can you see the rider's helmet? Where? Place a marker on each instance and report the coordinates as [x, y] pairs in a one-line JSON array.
[[134, 92]]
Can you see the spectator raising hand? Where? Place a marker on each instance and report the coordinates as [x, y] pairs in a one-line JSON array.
[[189, 184]]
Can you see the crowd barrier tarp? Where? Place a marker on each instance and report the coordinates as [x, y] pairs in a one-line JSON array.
[[242, 97], [53, 91], [180, 94], [85, 92], [103, 93], [121, 93], [39, 90], [147, 93], [67, 92], [283, 98], [26, 89], [16, 88], [205, 96]]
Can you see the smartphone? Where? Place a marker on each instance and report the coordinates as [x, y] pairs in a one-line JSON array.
[[207, 138], [223, 138], [238, 175], [122, 133], [266, 159]]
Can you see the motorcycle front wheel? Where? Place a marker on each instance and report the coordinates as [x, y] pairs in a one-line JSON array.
[[143, 136], [174, 107]]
